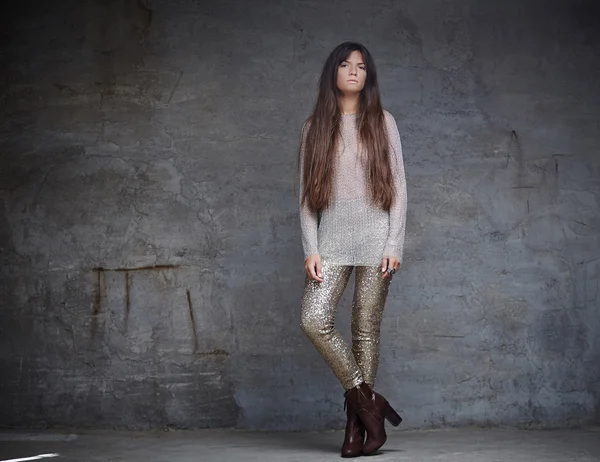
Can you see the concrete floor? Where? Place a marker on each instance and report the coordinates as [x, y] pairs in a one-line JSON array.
[[452, 445]]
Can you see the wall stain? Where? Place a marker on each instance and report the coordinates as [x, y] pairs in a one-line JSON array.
[[142, 19], [520, 161], [192, 319], [98, 286], [175, 87], [140, 268], [127, 297], [216, 352], [117, 32], [99, 289]]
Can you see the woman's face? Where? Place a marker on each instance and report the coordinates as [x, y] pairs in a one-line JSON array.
[[352, 74]]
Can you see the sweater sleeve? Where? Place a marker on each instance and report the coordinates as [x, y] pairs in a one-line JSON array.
[[308, 218], [395, 242]]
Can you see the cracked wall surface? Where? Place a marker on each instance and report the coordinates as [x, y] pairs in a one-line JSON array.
[[150, 257]]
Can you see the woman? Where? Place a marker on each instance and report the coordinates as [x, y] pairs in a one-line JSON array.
[[352, 214]]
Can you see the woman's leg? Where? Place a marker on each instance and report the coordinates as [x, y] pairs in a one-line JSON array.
[[319, 304], [370, 293]]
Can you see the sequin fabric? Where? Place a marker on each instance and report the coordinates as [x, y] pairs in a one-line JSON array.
[[351, 364], [352, 231]]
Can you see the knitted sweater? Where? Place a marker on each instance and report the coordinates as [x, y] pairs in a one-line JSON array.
[[353, 231]]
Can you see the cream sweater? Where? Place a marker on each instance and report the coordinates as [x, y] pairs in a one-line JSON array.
[[352, 231]]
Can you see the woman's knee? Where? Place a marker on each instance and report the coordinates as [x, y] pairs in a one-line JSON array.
[[313, 325], [308, 324], [366, 326]]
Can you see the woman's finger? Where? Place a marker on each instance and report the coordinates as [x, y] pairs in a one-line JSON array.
[[385, 266], [317, 274], [312, 273], [319, 269]]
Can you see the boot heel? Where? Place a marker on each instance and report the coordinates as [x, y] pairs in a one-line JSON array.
[[392, 416]]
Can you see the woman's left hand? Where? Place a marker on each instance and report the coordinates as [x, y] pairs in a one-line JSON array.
[[388, 263]]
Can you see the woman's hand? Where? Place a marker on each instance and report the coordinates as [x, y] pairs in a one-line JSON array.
[[388, 263], [313, 268]]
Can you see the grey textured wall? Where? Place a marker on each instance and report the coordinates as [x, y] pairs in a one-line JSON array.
[[150, 262]]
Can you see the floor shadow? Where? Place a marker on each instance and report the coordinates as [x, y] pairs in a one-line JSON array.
[[323, 442]]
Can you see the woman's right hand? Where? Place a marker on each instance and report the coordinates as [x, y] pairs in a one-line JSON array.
[[313, 267]]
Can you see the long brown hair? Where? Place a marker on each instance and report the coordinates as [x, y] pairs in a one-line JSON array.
[[323, 133]]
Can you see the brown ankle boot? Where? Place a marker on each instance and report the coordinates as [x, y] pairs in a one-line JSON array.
[[372, 410], [355, 432]]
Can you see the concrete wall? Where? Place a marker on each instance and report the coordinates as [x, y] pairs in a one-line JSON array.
[[150, 264]]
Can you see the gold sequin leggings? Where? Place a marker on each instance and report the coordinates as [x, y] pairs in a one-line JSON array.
[[319, 302]]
